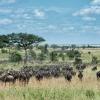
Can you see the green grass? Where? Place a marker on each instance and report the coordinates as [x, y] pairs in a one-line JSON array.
[[28, 93], [85, 57], [54, 89]]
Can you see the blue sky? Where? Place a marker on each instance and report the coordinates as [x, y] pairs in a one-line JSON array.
[[58, 21]]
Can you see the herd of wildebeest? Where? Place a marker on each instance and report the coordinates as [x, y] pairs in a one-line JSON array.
[[24, 74]]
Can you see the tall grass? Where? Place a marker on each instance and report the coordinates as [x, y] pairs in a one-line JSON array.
[[54, 89], [29, 93]]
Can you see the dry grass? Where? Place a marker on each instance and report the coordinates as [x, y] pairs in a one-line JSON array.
[[54, 89]]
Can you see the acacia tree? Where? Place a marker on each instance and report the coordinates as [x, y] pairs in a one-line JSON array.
[[23, 40]]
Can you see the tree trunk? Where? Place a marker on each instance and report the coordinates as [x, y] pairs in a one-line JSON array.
[[26, 57]]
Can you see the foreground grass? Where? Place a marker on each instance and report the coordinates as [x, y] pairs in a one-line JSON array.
[[27, 93], [54, 89]]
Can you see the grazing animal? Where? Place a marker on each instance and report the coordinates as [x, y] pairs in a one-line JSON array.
[[39, 76], [98, 75], [7, 78], [68, 76], [80, 75], [80, 66]]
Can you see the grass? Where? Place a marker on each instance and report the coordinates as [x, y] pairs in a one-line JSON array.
[[55, 89]]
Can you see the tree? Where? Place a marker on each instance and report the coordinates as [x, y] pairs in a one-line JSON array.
[[94, 60], [53, 56], [78, 61], [73, 53], [6, 41], [33, 54], [62, 55], [23, 40], [73, 46], [15, 57], [54, 46], [41, 56], [46, 48]]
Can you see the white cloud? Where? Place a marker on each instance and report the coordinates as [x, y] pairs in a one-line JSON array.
[[95, 2], [5, 21], [87, 18], [7, 1], [5, 10], [88, 10], [39, 13], [93, 9], [56, 9]]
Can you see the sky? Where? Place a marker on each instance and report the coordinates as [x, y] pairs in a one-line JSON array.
[[57, 21]]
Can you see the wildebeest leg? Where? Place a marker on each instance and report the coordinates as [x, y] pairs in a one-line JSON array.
[[9, 83], [98, 78], [1, 83], [13, 82], [5, 83], [27, 81]]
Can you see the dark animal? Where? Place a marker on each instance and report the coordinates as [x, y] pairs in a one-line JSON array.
[[80, 75], [68, 76], [7, 78], [98, 75], [80, 67], [39, 76]]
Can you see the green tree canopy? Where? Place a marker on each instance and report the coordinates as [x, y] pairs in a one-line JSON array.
[[24, 40]]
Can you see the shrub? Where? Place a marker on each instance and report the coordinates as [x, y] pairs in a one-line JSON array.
[[73, 53], [90, 94], [53, 56], [4, 51], [33, 54], [41, 56], [94, 60], [78, 60], [15, 57]]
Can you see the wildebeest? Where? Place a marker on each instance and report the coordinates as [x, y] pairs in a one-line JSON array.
[[7, 78], [98, 75], [68, 76], [39, 76], [80, 75], [80, 67]]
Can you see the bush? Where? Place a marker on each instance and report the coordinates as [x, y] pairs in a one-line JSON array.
[[33, 54], [41, 56], [53, 56], [73, 53], [4, 51], [78, 61], [90, 94], [15, 57], [94, 60]]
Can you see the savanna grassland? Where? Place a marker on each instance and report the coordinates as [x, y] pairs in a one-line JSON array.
[[54, 88]]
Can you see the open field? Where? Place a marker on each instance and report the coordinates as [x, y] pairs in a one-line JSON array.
[[54, 88], [84, 55]]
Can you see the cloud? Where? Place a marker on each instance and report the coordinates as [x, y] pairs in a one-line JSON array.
[[95, 2], [39, 13], [5, 21], [6, 11], [7, 1], [91, 10], [87, 18], [57, 9], [87, 11]]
